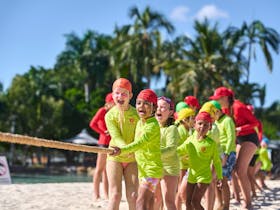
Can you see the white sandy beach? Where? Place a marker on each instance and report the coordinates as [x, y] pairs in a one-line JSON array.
[[72, 196]]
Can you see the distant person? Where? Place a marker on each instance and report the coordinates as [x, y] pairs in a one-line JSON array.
[[146, 147], [265, 163], [121, 122], [98, 125], [247, 138]]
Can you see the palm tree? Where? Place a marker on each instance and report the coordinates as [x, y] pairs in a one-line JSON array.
[[209, 60], [139, 44], [266, 38]]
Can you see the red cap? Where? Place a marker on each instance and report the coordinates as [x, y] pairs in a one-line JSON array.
[[220, 92], [192, 101], [204, 116], [148, 95], [122, 83], [109, 98]]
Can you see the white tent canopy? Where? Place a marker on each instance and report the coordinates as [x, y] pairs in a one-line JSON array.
[[83, 138]]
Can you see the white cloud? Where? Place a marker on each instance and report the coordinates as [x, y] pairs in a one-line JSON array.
[[179, 13], [211, 12]]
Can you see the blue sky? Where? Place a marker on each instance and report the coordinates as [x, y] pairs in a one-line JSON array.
[[32, 30]]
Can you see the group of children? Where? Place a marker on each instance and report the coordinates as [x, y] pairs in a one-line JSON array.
[[171, 155]]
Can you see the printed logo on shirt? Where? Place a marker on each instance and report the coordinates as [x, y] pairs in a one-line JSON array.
[[203, 149], [131, 120]]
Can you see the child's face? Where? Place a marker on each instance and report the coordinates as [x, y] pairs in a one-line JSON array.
[[144, 108], [163, 111], [202, 127], [121, 97], [223, 101]]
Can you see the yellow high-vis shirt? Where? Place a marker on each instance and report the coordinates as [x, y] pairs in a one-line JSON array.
[[121, 127], [168, 145], [146, 147], [201, 154]]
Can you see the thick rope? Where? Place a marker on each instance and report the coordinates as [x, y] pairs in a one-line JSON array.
[[38, 142]]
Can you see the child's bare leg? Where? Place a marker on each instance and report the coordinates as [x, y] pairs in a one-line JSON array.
[[210, 196], [219, 197], [182, 191], [158, 204], [169, 187], [226, 193], [246, 152], [131, 184], [198, 193], [105, 184], [100, 167], [145, 199], [115, 173], [190, 191], [235, 187]]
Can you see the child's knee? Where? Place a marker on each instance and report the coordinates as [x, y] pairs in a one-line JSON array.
[[116, 196], [131, 197]]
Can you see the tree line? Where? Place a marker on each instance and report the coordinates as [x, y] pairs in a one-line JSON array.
[[59, 102]]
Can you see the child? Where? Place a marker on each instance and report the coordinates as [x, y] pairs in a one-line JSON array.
[[179, 106], [169, 157], [214, 134], [266, 164], [121, 122], [202, 150], [146, 146], [227, 141], [185, 129], [247, 138], [98, 124]]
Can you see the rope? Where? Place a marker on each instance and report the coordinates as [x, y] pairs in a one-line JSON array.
[[39, 142]]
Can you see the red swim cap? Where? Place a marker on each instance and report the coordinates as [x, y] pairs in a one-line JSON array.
[[204, 116], [122, 83], [192, 101], [148, 95]]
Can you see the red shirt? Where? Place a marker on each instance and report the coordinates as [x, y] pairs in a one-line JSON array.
[[260, 131], [243, 118], [98, 125]]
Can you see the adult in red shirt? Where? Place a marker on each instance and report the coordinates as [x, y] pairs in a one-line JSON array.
[[247, 138], [98, 125]]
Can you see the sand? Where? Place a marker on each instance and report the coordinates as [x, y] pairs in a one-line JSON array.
[[72, 196]]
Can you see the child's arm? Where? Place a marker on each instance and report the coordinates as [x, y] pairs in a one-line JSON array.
[[231, 134], [94, 122], [150, 131], [183, 148], [172, 137], [217, 162]]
